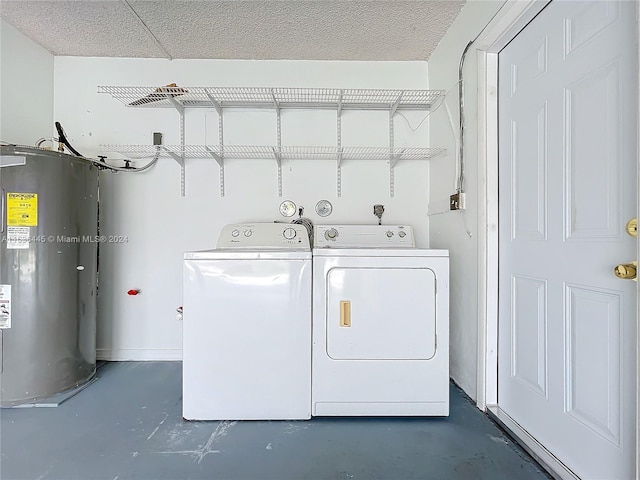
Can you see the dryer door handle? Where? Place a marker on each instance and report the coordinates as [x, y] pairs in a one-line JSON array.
[[345, 313]]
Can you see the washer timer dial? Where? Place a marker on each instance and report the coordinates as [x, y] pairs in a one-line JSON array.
[[289, 233]]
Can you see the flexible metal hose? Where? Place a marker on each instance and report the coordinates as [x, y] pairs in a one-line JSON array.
[[62, 138], [308, 224]]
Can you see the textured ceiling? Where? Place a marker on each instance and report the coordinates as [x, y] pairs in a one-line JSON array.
[[218, 29]]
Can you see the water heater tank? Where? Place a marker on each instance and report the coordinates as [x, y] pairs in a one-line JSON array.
[[48, 273]]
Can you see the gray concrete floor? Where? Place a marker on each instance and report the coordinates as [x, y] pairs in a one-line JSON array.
[[128, 425]]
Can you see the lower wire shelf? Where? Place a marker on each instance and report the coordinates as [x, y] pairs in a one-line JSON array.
[[284, 153], [223, 152]]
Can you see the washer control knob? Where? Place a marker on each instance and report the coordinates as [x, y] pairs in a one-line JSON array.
[[402, 234], [331, 234], [235, 233], [248, 233], [289, 233], [389, 234]]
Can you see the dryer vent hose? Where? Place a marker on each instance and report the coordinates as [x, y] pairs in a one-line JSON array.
[[308, 224]]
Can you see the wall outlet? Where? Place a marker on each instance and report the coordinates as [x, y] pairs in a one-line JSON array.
[[456, 201], [157, 138]]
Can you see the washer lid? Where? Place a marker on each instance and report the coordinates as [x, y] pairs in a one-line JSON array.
[[238, 254]]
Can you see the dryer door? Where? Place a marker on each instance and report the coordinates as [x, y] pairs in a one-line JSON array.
[[381, 313]]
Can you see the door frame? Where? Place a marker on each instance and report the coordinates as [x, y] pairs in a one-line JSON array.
[[511, 18]]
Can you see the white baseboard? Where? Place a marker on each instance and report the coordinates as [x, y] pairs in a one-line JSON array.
[[139, 354], [551, 464]]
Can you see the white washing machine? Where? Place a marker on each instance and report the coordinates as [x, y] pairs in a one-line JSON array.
[[380, 323], [247, 325]]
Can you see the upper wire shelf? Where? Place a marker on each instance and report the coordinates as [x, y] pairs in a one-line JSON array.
[[265, 97]]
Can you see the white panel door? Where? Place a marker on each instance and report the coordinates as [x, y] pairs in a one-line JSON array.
[[567, 187]]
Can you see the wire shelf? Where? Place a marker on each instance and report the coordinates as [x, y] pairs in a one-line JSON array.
[[137, 151], [264, 97], [272, 152], [397, 153], [219, 98]]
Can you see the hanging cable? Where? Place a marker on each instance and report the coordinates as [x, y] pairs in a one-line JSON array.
[[460, 182], [456, 145], [460, 179]]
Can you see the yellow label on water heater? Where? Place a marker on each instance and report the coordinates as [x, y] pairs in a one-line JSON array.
[[22, 209]]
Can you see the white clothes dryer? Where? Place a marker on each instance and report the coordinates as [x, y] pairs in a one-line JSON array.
[[380, 323], [247, 325]]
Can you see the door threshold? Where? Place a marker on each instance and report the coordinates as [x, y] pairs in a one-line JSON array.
[[555, 468]]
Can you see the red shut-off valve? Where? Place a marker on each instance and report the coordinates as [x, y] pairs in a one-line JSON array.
[[133, 291]]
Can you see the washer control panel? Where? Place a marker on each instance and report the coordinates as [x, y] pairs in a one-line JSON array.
[[264, 235], [359, 236]]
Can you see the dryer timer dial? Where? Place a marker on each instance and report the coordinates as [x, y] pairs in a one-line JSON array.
[[331, 234]]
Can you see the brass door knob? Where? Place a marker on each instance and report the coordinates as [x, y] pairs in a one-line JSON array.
[[627, 271], [632, 227]]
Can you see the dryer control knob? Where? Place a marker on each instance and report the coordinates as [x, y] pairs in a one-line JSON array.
[[331, 234], [235, 233], [389, 233], [248, 233], [402, 234]]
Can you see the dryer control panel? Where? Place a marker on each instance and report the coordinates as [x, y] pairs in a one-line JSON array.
[[363, 236], [264, 236]]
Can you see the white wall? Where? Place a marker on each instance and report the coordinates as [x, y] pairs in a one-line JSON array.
[[26, 88], [160, 225], [458, 230]]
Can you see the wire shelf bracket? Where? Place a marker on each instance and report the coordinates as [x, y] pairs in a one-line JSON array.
[[392, 175], [278, 156], [215, 104], [180, 160], [220, 161], [277, 152], [339, 153]]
